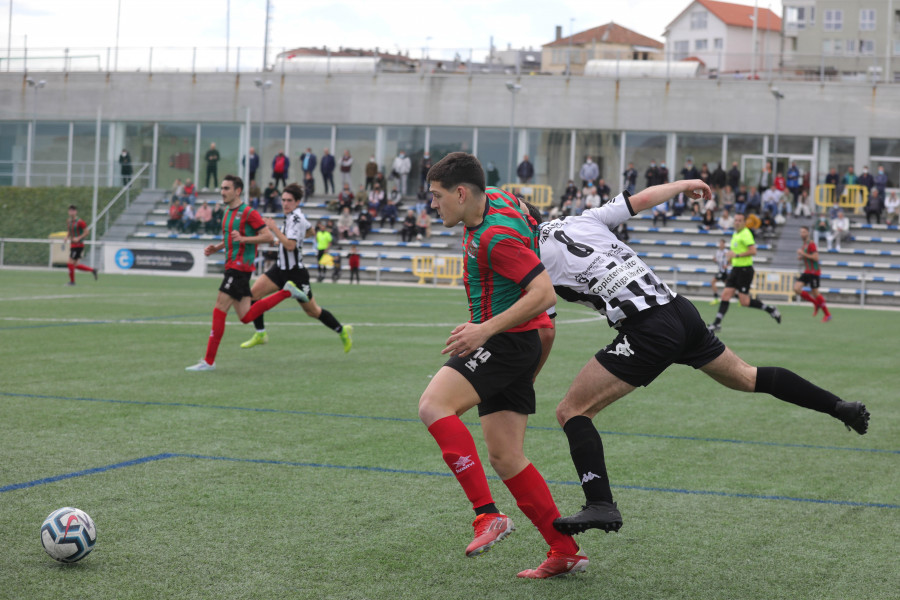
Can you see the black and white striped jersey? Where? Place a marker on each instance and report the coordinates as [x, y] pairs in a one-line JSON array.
[[722, 259], [590, 266], [294, 228]]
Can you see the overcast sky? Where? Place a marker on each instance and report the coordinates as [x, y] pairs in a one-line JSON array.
[[386, 24]]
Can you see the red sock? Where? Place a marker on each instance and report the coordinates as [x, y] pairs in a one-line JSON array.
[[823, 307], [461, 456], [808, 297], [267, 303], [84, 268], [215, 336], [72, 273], [534, 499]]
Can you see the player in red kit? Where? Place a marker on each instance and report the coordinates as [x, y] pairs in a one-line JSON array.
[[77, 230], [242, 229], [809, 254]]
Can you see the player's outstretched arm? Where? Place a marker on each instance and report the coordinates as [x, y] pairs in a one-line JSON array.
[[657, 194]]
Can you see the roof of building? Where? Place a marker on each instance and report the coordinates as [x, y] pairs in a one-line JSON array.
[[610, 33], [735, 15]]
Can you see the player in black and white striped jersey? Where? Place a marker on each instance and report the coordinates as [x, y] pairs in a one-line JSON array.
[[722, 267], [290, 275], [656, 328]]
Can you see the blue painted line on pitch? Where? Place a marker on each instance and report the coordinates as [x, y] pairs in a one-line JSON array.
[[686, 438], [288, 463]]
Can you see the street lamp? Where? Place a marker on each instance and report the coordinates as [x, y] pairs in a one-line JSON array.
[[263, 86], [514, 88], [36, 85], [778, 98]]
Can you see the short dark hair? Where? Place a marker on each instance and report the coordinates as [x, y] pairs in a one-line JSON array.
[[533, 210], [235, 180], [804, 227], [457, 168], [294, 190], [73, 207]]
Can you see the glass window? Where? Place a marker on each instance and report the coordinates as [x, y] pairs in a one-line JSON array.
[[866, 47], [680, 49], [793, 144], [550, 149], [700, 44], [698, 148], [444, 140], [718, 43], [359, 141], [227, 138], [698, 19], [834, 20], [851, 47], [50, 154], [493, 149], [867, 19], [83, 142], [884, 147], [827, 47], [409, 139], [642, 148], [176, 153], [13, 146]]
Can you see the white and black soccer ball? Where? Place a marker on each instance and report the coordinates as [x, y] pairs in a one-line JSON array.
[[68, 534]]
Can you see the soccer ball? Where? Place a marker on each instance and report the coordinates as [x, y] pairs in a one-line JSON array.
[[68, 534]]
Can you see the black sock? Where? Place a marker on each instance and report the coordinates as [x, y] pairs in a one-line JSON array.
[[790, 387], [329, 321], [486, 509], [759, 304], [586, 449], [259, 322], [723, 308]]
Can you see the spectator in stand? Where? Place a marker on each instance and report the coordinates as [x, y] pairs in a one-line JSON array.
[[874, 207], [662, 174], [253, 167], [740, 200], [255, 194], [362, 198], [849, 178], [423, 199], [768, 224], [718, 180], [176, 211], [395, 196], [866, 179], [661, 211], [177, 190], [780, 186], [832, 178], [603, 191], [190, 191], [840, 231], [203, 217], [629, 176], [371, 172], [493, 174], [353, 261], [346, 226], [881, 181], [381, 180], [423, 225], [765, 178], [892, 209], [212, 166], [589, 172], [570, 192], [525, 170], [754, 201], [793, 182], [591, 199], [218, 213], [651, 174], [309, 186], [364, 222], [408, 227], [327, 169], [689, 171], [281, 166], [426, 166], [376, 200], [725, 221], [345, 199], [389, 213], [400, 169], [271, 199], [679, 204], [708, 221], [822, 228], [770, 199], [726, 197], [126, 168], [308, 162], [804, 205], [734, 176], [188, 221], [346, 168]]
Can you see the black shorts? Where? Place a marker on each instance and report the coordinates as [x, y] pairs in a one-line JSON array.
[[501, 372], [721, 276], [740, 278], [75, 253], [658, 337], [299, 275], [236, 284], [809, 279]]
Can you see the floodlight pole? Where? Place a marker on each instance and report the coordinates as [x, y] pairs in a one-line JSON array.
[[778, 98], [514, 88]]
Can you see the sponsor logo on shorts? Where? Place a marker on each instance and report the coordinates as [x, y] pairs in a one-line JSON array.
[[463, 463], [622, 349]]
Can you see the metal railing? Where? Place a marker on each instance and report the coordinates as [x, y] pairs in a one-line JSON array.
[[53, 172], [126, 192]]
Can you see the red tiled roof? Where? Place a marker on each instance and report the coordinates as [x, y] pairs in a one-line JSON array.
[[610, 34], [736, 15]]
